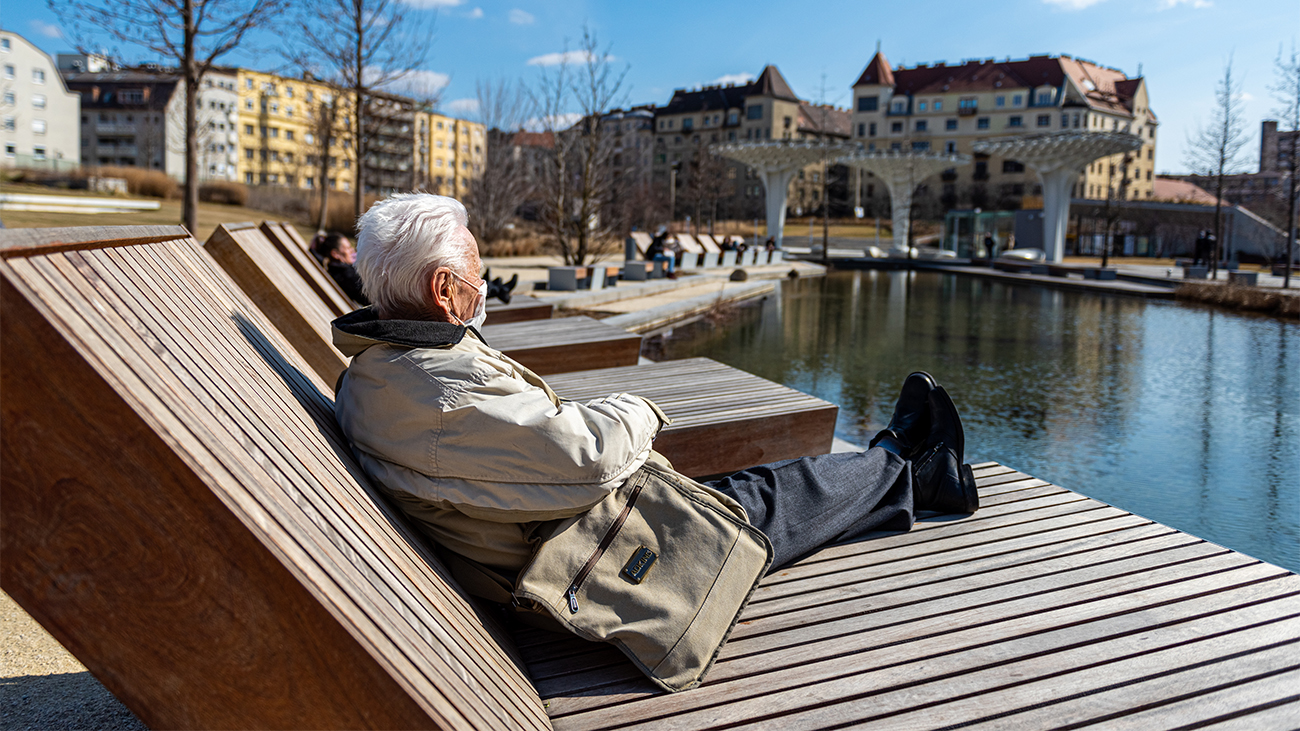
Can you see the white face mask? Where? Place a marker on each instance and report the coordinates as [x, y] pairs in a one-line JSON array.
[[480, 310]]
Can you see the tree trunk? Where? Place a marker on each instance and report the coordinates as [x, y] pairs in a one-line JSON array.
[[190, 203], [358, 91], [326, 131]]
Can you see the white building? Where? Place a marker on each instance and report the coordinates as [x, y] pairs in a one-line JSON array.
[[38, 115]]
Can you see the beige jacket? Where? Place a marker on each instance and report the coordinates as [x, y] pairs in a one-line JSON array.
[[476, 447]]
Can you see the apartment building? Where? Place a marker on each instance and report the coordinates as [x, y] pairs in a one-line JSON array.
[[281, 125], [947, 108], [38, 114], [449, 153], [764, 109], [131, 118]]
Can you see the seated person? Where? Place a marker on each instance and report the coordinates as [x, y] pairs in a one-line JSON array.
[[660, 249], [502, 473], [337, 255]]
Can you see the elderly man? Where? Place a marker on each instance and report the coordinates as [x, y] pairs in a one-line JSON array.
[[562, 508]]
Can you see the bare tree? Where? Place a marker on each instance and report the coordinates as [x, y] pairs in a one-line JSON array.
[[706, 184], [577, 178], [364, 45], [1114, 209], [323, 139], [503, 183], [1215, 150], [1286, 90], [192, 33]]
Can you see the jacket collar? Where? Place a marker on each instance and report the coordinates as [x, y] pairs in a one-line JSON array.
[[356, 331]]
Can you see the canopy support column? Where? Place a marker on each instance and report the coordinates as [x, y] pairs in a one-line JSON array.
[[1056, 209], [777, 186]]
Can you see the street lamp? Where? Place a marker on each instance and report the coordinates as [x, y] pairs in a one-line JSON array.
[[672, 190]]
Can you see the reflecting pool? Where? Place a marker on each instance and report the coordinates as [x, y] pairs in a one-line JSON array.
[[1189, 416]]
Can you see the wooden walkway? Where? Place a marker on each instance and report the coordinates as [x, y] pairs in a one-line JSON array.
[[724, 419], [1045, 609], [1079, 285]]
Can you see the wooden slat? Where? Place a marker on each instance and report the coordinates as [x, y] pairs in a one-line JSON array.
[[1044, 608], [286, 241], [565, 344], [522, 308], [289, 303], [17, 242], [723, 419], [182, 513]]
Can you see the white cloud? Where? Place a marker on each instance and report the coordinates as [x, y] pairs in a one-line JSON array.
[[46, 29], [475, 14], [557, 122], [732, 79], [427, 4], [418, 83], [1246, 96], [1167, 4], [519, 17], [1072, 4], [463, 106], [555, 59]]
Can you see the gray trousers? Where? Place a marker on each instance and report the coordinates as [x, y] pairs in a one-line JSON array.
[[804, 504]]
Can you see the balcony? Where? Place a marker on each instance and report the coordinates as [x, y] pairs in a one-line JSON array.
[[967, 111]]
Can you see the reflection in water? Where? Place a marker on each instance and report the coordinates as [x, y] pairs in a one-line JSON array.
[[1187, 416]]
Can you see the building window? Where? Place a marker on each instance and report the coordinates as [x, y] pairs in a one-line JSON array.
[[900, 107], [754, 112], [9, 99], [1065, 121], [938, 105], [896, 127], [982, 123], [968, 105], [10, 150], [288, 134], [733, 117], [9, 71], [1044, 98], [787, 122], [688, 124], [896, 146], [1044, 120], [871, 130], [1016, 121], [950, 124], [9, 125], [920, 106], [862, 130], [920, 125], [38, 101], [921, 145], [38, 153], [38, 126], [4, 46], [1000, 101], [1011, 166], [248, 104], [38, 76], [1017, 100], [248, 154], [951, 147], [868, 103]]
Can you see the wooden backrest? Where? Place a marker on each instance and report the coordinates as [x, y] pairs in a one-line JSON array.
[[291, 246], [709, 244], [642, 239], [182, 513], [689, 243], [262, 272]]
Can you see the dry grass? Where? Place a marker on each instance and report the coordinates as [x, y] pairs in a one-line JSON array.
[[139, 181], [221, 191], [1249, 299]]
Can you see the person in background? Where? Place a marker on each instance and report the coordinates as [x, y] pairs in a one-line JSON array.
[[659, 250], [335, 252]]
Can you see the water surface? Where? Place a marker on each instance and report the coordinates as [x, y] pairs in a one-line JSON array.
[[1186, 415]]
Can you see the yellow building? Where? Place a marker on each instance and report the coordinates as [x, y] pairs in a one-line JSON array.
[[449, 153], [279, 130]]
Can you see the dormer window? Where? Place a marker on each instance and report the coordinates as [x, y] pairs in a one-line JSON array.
[[900, 107]]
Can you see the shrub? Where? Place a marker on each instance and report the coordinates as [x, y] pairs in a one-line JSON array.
[[223, 191], [140, 181]]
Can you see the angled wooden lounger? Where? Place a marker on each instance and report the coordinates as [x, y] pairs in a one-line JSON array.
[[181, 512], [262, 272]]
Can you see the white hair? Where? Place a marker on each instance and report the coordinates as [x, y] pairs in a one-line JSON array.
[[402, 240]]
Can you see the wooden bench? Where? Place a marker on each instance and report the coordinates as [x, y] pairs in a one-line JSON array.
[[294, 250], [182, 513], [521, 308], [565, 344], [724, 419], [637, 270]]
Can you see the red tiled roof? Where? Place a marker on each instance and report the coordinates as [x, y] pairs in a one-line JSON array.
[[877, 72], [824, 119], [1180, 191], [533, 139]]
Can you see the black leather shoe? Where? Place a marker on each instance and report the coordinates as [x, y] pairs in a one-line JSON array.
[[911, 420], [940, 482]]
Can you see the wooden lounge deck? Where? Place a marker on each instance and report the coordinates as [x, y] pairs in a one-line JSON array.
[[521, 308], [724, 419], [1045, 609], [182, 513]]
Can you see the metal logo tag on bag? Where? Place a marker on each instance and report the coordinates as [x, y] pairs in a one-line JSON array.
[[639, 565]]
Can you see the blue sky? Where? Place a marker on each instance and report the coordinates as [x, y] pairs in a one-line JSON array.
[[1181, 45]]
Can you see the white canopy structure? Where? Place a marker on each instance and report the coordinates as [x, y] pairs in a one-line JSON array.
[[902, 171], [776, 162], [1059, 158]]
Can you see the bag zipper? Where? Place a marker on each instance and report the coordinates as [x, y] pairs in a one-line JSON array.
[[572, 593]]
